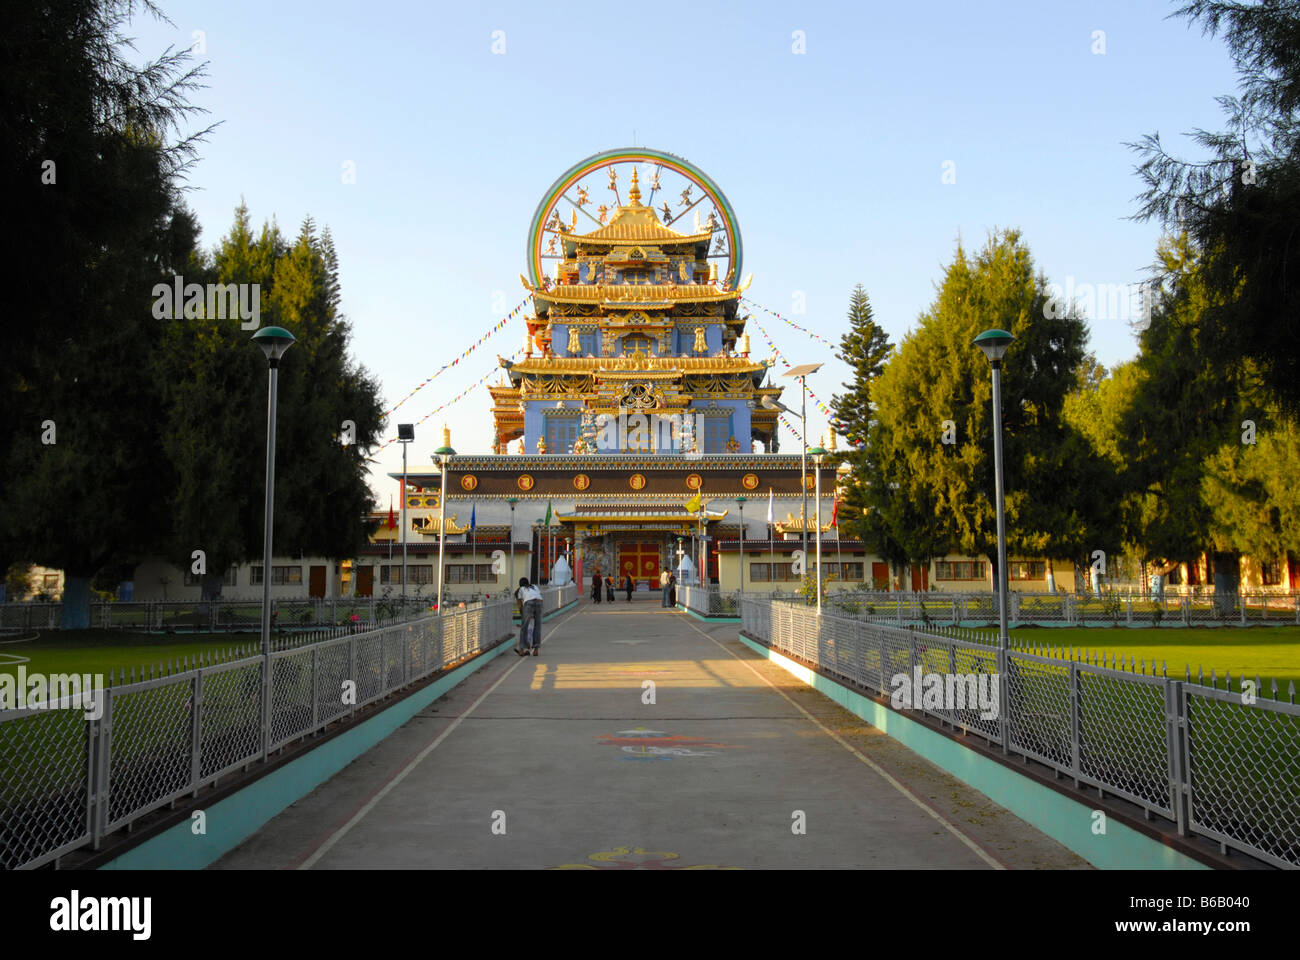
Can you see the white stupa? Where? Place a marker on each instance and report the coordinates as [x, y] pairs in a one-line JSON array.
[[686, 570], [561, 575]]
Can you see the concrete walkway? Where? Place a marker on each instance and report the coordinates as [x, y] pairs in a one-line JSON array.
[[568, 760]]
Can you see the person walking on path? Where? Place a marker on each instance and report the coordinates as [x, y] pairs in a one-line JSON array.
[[672, 590], [530, 615], [663, 587], [628, 586], [609, 589], [595, 587]]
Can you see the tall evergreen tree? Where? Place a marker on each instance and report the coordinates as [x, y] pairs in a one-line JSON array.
[[865, 348], [1242, 201], [91, 166], [930, 465], [216, 402]]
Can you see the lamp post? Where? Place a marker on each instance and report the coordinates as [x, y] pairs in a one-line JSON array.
[[405, 434], [512, 501], [994, 343], [800, 373], [444, 455], [740, 502], [274, 341], [818, 454]]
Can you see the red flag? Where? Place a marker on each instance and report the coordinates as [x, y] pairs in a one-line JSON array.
[[392, 521], [835, 510]]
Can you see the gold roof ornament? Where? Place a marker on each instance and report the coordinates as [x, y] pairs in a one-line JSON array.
[[791, 525], [446, 435], [450, 527]]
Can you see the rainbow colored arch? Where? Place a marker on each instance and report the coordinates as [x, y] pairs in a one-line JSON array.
[[671, 161]]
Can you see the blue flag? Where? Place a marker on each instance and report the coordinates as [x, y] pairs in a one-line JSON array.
[[472, 518]]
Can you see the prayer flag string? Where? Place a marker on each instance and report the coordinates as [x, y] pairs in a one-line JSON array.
[[495, 328]]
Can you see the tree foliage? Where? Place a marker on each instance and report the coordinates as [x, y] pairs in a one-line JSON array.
[[91, 166], [1242, 202], [216, 411], [924, 497]]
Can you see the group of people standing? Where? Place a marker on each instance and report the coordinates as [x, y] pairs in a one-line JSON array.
[[601, 584], [604, 586]]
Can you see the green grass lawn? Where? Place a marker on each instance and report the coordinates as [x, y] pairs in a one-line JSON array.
[[1269, 652], [99, 651]]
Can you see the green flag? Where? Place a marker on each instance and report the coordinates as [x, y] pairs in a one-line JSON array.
[[548, 513]]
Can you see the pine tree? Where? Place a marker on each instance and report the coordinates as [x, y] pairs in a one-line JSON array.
[[929, 465], [865, 348]]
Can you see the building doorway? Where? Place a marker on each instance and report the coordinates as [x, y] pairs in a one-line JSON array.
[[365, 581], [641, 561]]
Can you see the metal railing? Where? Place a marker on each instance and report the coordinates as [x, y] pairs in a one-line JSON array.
[[1222, 764], [1248, 607], [222, 616], [709, 601], [67, 781]]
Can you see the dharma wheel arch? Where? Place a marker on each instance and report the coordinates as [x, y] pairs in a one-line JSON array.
[[562, 199]]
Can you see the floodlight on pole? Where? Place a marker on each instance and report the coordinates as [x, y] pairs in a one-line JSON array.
[[994, 343], [818, 454], [405, 435], [444, 455], [801, 373]]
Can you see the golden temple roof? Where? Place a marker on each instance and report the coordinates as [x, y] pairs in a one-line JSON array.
[[637, 223], [791, 525], [430, 526]]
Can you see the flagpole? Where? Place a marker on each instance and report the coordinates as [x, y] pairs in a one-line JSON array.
[[771, 546]]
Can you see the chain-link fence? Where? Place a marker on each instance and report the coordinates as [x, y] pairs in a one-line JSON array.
[[710, 601], [68, 779], [1215, 762], [1266, 606], [222, 616]]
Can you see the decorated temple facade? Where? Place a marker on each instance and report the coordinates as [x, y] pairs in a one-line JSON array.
[[636, 344]]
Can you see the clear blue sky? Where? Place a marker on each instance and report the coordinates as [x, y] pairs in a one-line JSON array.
[[832, 159]]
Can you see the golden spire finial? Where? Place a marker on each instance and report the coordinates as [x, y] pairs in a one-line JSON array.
[[634, 195], [446, 435]]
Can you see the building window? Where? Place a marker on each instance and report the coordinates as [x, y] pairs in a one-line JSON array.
[[959, 570], [843, 571], [561, 434], [717, 431], [417, 573], [281, 576], [1271, 573], [1027, 570], [768, 572], [254, 575], [634, 343], [49, 581], [470, 573], [587, 345]]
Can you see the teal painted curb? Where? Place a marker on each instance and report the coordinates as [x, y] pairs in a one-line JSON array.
[[233, 819], [1065, 820], [700, 616]]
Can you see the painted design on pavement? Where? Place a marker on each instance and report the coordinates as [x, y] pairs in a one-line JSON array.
[[636, 858], [643, 744]]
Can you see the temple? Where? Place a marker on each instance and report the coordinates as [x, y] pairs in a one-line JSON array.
[[635, 415], [634, 324]]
